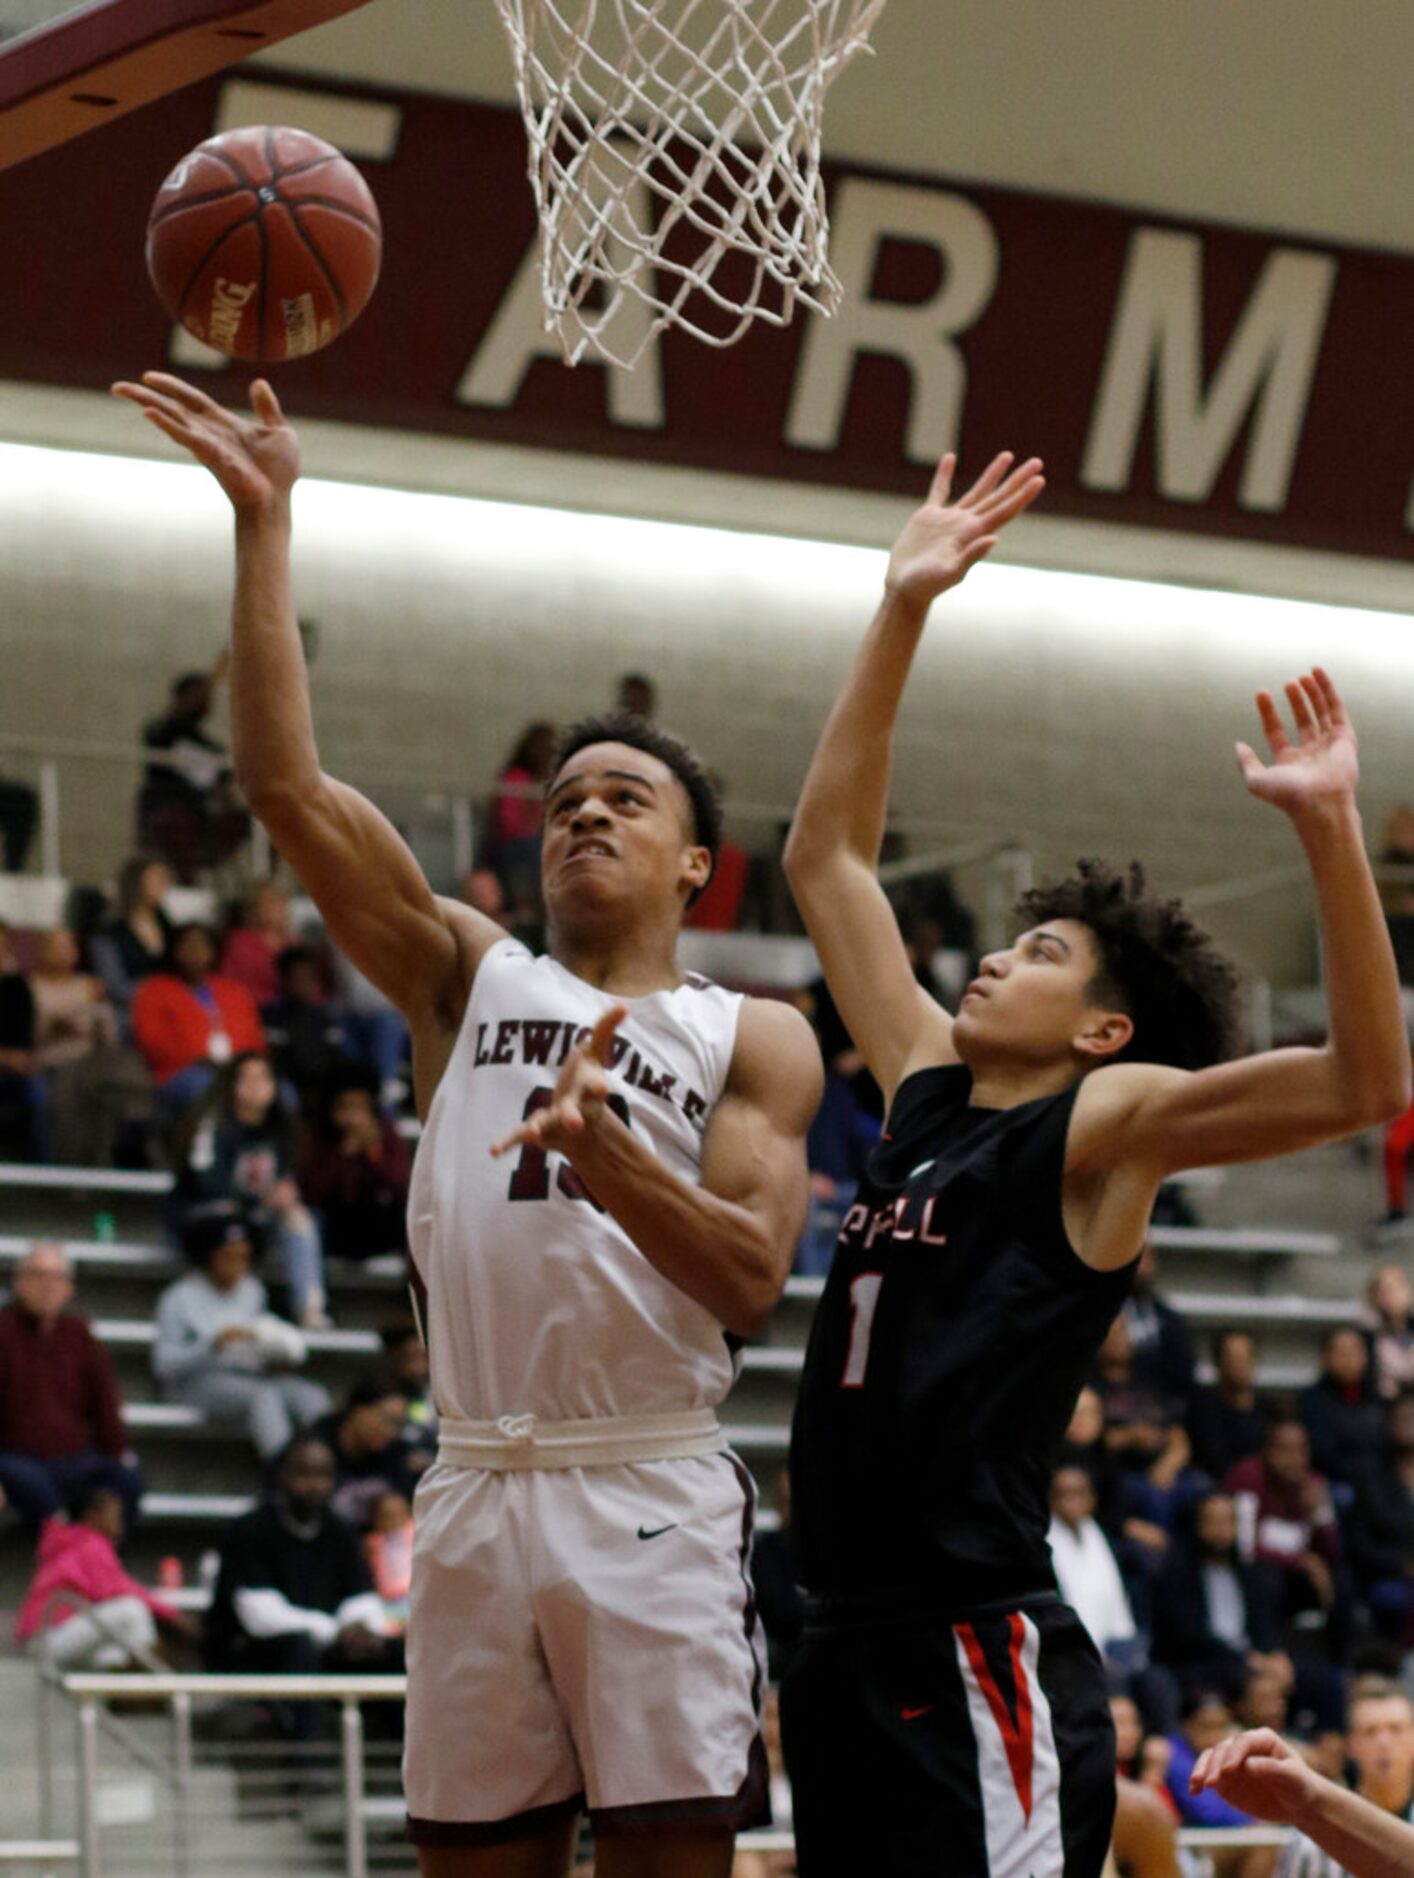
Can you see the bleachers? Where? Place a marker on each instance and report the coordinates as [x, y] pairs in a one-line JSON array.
[[200, 1475]]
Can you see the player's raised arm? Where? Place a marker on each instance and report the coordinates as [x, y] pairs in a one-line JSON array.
[[727, 1243], [832, 855], [373, 895], [1282, 1100], [1263, 1775]]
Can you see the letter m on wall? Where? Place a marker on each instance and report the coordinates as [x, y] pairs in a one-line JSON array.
[[1156, 349]]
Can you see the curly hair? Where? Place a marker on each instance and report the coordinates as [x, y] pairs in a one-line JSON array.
[[625, 727], [1155, 964]]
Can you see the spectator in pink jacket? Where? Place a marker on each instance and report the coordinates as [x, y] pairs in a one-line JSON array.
[[113, 1621]]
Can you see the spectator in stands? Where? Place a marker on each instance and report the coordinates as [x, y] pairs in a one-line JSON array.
[[718, 906], [1342, 1412], [388, 1547], [19, 817], [22, 1088], [113, 1624], [1145, 1433], [98, 1092], [1210, 1621], [517, 813], [406, 1366], [483, 892], [1381, 1529], [776, 1575], [1380, 1745], [261, 932], [638, 695], [1227, 1420], [219, 1349], [187, 1021], [61, 1424], [1206, 1719], [237, 1147], [1161, 1350], [134, 943], [370, 1456], [309, 1036], [186, 812], [381, 1034], [1390, 1324], [294, 1595], [1085, 1447], [1086, 1568], [356, 1171], [1287, 1529]]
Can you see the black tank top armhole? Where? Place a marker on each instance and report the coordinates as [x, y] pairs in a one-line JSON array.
[[1048, 1146]]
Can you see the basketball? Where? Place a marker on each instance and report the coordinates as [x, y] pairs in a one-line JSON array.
[[264, 243]]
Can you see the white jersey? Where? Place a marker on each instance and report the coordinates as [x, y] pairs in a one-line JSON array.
[[534, 1301]]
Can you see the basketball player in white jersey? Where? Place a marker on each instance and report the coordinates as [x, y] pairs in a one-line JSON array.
[[583, 1632]]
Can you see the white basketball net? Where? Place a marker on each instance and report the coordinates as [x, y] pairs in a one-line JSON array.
[[675, 159]]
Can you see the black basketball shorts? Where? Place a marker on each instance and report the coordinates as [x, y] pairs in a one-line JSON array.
[[975, 1747]]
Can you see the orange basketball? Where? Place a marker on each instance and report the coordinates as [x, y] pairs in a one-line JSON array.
[[264, 243]]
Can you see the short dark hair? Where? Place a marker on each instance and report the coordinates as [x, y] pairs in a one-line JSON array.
[[207, 1227], [80, 1501], [297, 1443], [1155, 964], [178, 933], [639, 734], [367, 1390], [1227, 1333]]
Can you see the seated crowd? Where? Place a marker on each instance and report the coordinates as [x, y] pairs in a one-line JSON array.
[[1240, 1560]]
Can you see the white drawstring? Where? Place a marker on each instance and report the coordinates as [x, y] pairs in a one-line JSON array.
[[517, 1427]]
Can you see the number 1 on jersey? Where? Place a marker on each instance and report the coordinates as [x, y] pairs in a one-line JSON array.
[[863, 1302]]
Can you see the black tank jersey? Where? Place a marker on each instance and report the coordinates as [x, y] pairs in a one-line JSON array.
[[955, 1330]]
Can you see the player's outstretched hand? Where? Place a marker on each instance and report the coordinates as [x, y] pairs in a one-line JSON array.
[[1258, 1773], [944, 538], [255, 459], [1321, 766], [580, 1097]]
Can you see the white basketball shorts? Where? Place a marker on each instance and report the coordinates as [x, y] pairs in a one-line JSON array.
[[584, 1637]]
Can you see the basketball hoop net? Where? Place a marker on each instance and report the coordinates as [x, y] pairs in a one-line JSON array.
[[675, 159]]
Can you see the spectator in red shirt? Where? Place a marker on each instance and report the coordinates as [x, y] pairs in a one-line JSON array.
[[1286, 1527], [60, 1420], [517, 814], [187, 1021], [251, 955]]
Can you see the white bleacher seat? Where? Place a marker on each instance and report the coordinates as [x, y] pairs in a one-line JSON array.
[[83, 1179], [1206, 1309], [131, 1333], [1251, 1241]]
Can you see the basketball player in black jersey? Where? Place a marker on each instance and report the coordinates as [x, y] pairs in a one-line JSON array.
[[947, 1714]]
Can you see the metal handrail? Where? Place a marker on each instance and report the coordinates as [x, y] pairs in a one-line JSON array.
[[90, 1687], [87, 1689]]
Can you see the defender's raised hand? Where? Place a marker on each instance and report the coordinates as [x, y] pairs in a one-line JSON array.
[[255, 459], [1321, 766], [580, 1096], [1258, 1773], [945, 538]]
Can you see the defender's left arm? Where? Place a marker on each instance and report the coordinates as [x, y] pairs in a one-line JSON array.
[[1165, 1119], [728, 1242]]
